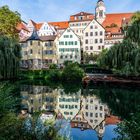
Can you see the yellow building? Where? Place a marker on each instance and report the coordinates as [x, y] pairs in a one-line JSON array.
[[38, 52]]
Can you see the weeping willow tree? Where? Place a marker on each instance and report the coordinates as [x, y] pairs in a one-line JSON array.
[[125, 57], [9, 57]]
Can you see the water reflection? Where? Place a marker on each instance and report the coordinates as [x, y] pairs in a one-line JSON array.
[[79, 110]]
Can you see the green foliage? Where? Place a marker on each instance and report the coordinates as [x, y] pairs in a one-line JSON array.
[[129, 129], [8, 22], [9, 58], [72, 72], [53, 66], [9, 98], [54, 75]]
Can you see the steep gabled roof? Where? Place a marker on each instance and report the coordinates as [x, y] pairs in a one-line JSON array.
[[34, 36], [38, 26]]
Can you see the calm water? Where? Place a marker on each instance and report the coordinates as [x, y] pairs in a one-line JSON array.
[[90, 113]]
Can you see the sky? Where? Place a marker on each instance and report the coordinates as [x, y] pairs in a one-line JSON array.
[[60, 10]]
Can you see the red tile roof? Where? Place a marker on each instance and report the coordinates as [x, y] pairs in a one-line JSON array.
[[82, 14], [116, 18], [60, 25], [38, 26], [21, 26]]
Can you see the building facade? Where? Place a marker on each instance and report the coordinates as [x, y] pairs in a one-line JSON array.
[[93, 38], [68, 47], [83, 33], [38, 52]]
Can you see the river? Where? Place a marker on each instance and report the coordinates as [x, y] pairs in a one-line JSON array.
[[90, 113]]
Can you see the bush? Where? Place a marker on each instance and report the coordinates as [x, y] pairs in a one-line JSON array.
[[72, 72], [54, 75]]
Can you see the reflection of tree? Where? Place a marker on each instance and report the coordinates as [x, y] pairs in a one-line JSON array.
[[122, 102], [71, 88]]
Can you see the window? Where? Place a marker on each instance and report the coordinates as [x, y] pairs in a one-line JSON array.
[[66, 56], [101, 33], [86, 113], [101, 115], [101, 13], [96, 115], [96, 40], [70, 36], [96, 33], [101, 41], [61, 56], [86, 41], [86, 47], [91, 27], [38, 43], [31, 51], [66, 43], [70, 56], [99, 47], [86, 107], [31, 43], [91, 47], [96, 27], [86, 33], [96, 107], [102, 47], [75, 56], [91, 33], [75, 42], [91, 114]]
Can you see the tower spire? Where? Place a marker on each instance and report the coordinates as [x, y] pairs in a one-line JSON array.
[[100, 11]]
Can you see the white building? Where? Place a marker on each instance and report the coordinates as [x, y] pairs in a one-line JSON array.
[[93, 38], [68, 47]]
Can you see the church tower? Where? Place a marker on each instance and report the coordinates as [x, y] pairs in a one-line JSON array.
[[100, 11]]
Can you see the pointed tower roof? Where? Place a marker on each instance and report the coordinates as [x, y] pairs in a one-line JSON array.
[[34, 36], [100, 0]]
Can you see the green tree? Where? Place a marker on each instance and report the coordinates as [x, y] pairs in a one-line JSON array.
[[8, 22], [9, 57], [72, 72], [124, 58]]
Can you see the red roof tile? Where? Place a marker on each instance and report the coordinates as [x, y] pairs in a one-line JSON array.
[[116, 18], [60, 25], [21, 26]]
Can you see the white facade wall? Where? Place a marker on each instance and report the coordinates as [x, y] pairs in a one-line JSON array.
[[68, 47], [46, 30], [93, 38]]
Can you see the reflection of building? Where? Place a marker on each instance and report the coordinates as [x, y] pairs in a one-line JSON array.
[[68, 105], [37, 98], [93, 111]]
